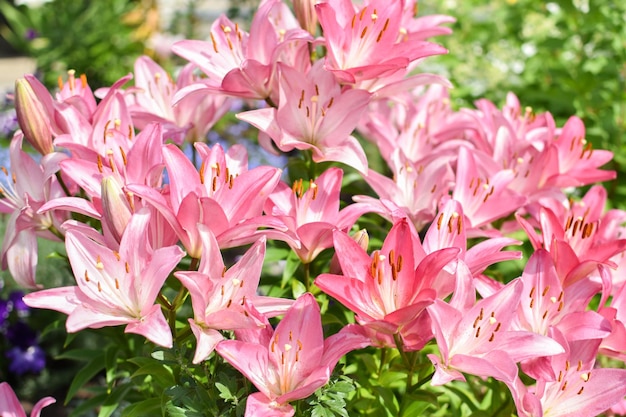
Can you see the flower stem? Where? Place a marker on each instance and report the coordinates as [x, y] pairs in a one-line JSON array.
[[307, 277]]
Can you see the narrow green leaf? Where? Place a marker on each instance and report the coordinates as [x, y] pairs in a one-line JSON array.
[[86, 374]]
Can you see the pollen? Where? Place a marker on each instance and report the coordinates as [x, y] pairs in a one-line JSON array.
[[99, 263]]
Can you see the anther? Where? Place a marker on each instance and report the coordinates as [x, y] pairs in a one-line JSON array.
[[545, 290], [214, 43], [99, 287], [86, 276], [123, 155]]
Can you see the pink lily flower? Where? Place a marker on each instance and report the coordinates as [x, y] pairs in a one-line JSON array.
[[578, 164], [392, 287], [549, 304], [10, 405], [477, 338], [420, 125], [578, 390], [291, 362], [484, 192], [414, 191], [614, 345], [152, 100], [368, 42], [314, 114], [105, 181], [77, 94], [226, 299], [313, 214], [222, 194], [28, 187], [114, 287], [241, 64], [577, 237]]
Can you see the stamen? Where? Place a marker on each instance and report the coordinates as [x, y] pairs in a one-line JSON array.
[[99, 264], [123, 155], [214, 44]]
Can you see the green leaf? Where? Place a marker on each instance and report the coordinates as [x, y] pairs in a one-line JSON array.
[[146, 408], [84, 375], [160, 372], [113, 400], [82, 355], [291, 266], [224, 391]]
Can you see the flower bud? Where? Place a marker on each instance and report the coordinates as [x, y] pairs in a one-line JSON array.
[[116, 211], [33, 105], [306, 14]]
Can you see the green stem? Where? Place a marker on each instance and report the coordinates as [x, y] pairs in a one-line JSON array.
[[424, 380], [164, 302], [270, 102], [194, 155], [383, 362], [400, 346], [496, 413], [193, 266], [62, 183], [307, 277], [56, 232]]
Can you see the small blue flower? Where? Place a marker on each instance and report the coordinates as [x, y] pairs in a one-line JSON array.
[[31, 359], [20, 334], [19, 306], [5, 309]]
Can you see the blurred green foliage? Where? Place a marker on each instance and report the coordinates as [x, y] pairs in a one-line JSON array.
[[564, 56], [97, 38]]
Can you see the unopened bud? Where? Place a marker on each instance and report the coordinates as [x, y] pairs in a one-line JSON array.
[[306, 14], [33, 105], [116, 211]]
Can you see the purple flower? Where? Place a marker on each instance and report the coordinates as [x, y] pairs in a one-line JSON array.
[[31, 34], [5, 309], [20, 334], [18, 304], [21, 361], [8, 123]]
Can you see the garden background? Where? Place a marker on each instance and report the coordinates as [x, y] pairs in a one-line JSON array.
[[566, 57]]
